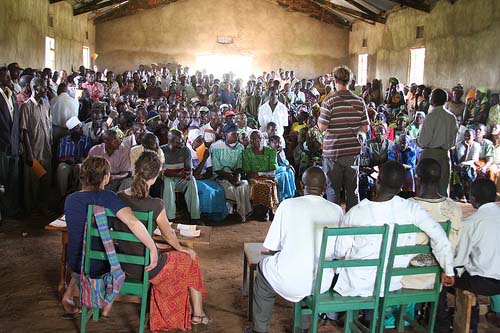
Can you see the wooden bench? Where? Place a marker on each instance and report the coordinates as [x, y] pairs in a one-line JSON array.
[[464, 301]]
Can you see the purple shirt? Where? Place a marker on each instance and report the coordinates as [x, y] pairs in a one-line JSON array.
[[119, 160]]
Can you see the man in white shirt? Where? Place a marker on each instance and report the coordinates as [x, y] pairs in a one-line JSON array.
[[209, 130], [386, 208], [294, 238], [273, 111], [440, 208], [478, 251], [64, 107]]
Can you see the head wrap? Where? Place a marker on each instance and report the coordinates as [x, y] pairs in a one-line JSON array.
[[73, 122], [193, 134], [419, 113], [230, 127], [152, 115], [404, 116], [251, 122], [458, 87], [482, 90]]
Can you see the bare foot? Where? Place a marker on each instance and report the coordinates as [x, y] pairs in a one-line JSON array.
[[69, 306]]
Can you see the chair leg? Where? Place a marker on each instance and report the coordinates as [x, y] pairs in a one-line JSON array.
[[83, 322], [245, 269], [381, 317], [314, 321], [432, 316], [142, 318], [297, 317], [95, 314], [349, 317], [400, 325]]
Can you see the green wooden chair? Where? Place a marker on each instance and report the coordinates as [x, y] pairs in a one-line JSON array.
[[401, 298], [131, 286], [331, 301]]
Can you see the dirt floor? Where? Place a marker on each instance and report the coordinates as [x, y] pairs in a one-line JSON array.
[[29, 271]]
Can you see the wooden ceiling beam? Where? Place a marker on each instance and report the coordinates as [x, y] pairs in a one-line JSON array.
[[362, 7], [351, 12], [315, 11], [419, 5], [95, 5], [54, 1]]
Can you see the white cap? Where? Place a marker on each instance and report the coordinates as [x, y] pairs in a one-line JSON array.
[[73, 122]]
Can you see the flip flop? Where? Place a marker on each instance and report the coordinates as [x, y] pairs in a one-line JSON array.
[[72, 315], [201, 322]]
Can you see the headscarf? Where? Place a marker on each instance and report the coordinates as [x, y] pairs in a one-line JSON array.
[[393, 80], [482, 90]]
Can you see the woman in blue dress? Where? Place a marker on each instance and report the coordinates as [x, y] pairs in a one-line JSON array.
[[210, 193], [285, 174]]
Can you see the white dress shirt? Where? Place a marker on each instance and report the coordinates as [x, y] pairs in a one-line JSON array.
[[479, 245], [361, 281], [278, 116], [63, 107]]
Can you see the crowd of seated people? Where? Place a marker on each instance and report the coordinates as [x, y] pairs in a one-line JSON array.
[[228, 146]]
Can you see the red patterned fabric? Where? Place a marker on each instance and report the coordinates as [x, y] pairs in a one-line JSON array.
[[170, 307]]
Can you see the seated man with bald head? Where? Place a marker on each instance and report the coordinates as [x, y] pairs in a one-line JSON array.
[[294, 238]]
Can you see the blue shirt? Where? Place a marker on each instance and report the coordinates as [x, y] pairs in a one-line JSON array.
[[75, 209], [68, 148]]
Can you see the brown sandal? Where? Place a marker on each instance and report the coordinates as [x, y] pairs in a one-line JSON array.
[[202, 320]]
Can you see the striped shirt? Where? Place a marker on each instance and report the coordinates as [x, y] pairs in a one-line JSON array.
[[79, 150], [344, 114], [176, 161]]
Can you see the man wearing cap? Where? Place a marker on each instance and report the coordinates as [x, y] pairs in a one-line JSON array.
[[153, 120], [63, 108], [36, 128], [227, 163], [9, 145], [273, 111], [72, 150], [178, 176], [437, 136]]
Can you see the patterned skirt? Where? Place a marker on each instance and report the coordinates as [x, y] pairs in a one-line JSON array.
[[170, 307], [263, 192]]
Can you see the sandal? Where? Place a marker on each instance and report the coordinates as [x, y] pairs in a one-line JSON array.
[[72, 315], [202, 320]]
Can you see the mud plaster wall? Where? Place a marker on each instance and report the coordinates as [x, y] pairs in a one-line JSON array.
[[181, 31], [461, 42], [24, 25]]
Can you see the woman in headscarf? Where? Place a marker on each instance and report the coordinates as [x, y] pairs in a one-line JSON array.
[[285, 174]]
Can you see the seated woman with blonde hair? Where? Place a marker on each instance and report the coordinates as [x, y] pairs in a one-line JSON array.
[[177, 279]]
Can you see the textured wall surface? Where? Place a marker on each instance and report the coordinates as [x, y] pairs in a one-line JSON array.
[[24, 26], [181, 31], [461, 42]]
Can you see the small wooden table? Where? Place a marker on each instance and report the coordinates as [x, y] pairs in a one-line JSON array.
[[252, 255], [187, 241]]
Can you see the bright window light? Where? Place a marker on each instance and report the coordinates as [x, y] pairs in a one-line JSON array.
[[86, 57], [50, 53], [219, 64], [362, 69], [417, 62]]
